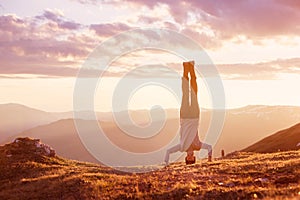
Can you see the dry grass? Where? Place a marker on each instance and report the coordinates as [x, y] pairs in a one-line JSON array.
[[240, 176]]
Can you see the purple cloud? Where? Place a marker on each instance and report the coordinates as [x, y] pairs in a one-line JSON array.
[[230, 18], [108, 30], [49, 42], [86, 1], [260, 71], [57, 18]]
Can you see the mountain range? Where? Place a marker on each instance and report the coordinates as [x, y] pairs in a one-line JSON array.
[[242, 127]]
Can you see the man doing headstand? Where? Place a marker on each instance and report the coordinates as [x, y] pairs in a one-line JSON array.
[[189, 118]]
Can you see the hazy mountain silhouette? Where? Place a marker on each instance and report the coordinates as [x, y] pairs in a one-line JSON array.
[[63, 137], [243, 127], [247, 125], [285, 140], [16, 118]]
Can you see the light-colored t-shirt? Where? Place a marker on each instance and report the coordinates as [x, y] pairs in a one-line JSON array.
[[188, 131]]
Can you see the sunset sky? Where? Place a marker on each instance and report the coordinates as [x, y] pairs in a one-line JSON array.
[[254, 44]]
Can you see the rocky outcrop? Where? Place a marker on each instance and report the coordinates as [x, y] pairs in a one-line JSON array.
[[26, 147]]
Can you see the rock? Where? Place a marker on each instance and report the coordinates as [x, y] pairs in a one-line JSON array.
[[28, 145]]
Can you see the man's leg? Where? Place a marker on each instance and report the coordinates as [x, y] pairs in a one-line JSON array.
[[173, 149], [194, 93], [185, 92]]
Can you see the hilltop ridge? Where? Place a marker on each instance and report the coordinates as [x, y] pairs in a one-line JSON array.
[[284, 140], [29, 171]]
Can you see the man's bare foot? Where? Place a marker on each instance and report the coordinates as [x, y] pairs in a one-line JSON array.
[[192, 69], [186, 69]]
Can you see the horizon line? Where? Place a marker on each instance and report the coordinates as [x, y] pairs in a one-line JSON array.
[[142, 109]]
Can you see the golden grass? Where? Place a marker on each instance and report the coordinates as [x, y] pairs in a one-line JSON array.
[[239, 176]]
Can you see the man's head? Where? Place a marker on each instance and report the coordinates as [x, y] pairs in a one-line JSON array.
[[190, 160]]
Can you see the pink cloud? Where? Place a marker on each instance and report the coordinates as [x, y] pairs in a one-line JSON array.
[[226, 19], [229, 18], [50, 44], [250, 18], [148, 19], [57, 18], [171, 25], [32, 44], [107, 30], [206, 41], [294, 4], [260, 71], [86, 1]]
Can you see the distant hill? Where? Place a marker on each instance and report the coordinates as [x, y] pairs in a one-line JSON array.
[[243, 126], [285, 140], [247, 125], [15, 118], [63, 137], [29, 171]]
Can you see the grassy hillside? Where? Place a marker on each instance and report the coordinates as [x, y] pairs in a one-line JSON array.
[[28, 172], [284, 140]]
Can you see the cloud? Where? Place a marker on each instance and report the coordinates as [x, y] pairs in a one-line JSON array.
[[32, 45], [108, 30], [207, 41], [260, 71], [87, 1], [249, 18], [38, 70], [50, 44], [148, 19], [240, 71], [56, 16], [213, 22], [45, 71], [227, 19], [294, 4]]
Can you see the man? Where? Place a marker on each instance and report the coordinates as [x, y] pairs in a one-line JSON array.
[[189, 118]]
